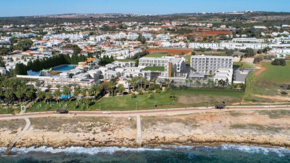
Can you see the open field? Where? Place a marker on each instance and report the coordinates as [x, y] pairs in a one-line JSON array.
[[268, 83], [184, 98]]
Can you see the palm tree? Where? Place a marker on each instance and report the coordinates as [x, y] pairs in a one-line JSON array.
[[9, 95], [57, 94], [20, 92], [30, 93], [58, 86], [84, 92], [66, 91], [40, 94], [198, 83], [76, 92], [190, 81], [48, 96], [167, 81], [111, 87], [98, 89], [121, 89], [48, 86], [37, 84]]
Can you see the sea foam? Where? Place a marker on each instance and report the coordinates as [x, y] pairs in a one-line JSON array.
[[81, 150]]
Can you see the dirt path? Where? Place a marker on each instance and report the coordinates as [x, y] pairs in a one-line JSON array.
[[261, 69]]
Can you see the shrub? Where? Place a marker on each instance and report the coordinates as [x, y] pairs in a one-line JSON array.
[[284, 93], [140, 92], [151, 96], [281, 62], [133, 95], [149, 91], [158, 90]]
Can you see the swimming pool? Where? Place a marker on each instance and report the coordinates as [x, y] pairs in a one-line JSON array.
[[63, 68]]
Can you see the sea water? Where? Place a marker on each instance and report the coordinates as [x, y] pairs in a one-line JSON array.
[[162, 154]]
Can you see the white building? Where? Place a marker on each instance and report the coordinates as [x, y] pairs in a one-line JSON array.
[[210, 64], [163, 37], [224, 74]]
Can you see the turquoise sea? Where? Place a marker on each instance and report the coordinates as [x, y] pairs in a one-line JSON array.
[[163, 154]]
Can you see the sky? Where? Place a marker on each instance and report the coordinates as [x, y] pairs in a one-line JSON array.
[[45, 7]]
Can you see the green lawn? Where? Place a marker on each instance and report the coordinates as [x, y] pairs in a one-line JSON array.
[[8, 111], [188, 58], [156, 55], [155, 68], [184, 98], [268, 82], [275, 74], [245, 64]]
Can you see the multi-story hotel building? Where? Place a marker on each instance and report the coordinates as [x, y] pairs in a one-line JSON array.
[[210, 64]]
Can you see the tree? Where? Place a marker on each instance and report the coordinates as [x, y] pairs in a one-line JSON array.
[[121, 89], [137, 63], [151, 96], [30, 94], [198, 83], [111, 87], [248, 52], [66, 91], [57, 94], [281, 62], [20, 92], [84, 92], [48, 96], [190, 81], [167, 81], [133, 95], [76, 92], [8, 95], [40, 94]]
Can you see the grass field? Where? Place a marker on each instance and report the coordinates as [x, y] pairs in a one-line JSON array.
[[268, 82], [245, 64], [275, 74], [155, 68], [193, 97]]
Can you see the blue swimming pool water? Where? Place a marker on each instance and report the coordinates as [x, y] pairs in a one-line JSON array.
[[63, 68]]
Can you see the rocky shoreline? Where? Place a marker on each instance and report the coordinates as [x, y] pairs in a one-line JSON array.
[[210, 129]]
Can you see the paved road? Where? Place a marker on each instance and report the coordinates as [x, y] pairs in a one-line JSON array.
[[142, 112], [139, 131]]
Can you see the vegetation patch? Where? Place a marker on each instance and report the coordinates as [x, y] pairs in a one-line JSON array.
[[256, 127], [274, 114], [155, 68]]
